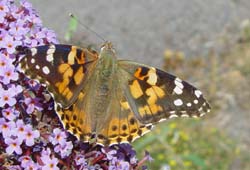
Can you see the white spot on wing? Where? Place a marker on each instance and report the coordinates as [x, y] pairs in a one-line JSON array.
[[51, 49], [152, 77], [46, 70], [32, 60], [195, 101], [197, 93], [178, 90], [124, 142], [184, 115], [135, 138], [172, 112], [178, 102], [49, 57], [163, 119], [189, 104], [33, 51], [178, 82], [202, 114], [103, 145], [178, 86], [37, 67], [172, 116]]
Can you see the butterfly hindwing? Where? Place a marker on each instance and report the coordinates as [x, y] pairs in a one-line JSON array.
[[63, 68], [155, 95]]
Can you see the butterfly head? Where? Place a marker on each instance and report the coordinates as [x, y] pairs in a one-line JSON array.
[[107, 50]]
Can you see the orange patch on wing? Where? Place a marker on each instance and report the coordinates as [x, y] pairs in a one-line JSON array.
[[144, 110], [137, 74], [159, 92], [152, 76], [113, 128], [67, 72], [152, 96], [135, 89], [63, 67], [78, 76], [124, 105], [72, 55], [67, 93], [155, 108]]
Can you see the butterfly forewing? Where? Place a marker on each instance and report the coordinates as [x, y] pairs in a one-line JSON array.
[[63, 68], [155, 95]]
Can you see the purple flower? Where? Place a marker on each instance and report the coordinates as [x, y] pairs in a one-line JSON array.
[[20, 129], [10, 113], [32, 166], [133, 160], [148, 157], [26, 4], [6, 127], [123, 165], [14, 167], [49, 163], [7, 97], [3, 7], [13, 146], [8, 73], [4, 61], [109, 154], [10, 44], [65, 149], [3, 11], [25, 160], [18, 29], [58, 136], [32, 103], [80, 160], [30, 135], [15, 88]]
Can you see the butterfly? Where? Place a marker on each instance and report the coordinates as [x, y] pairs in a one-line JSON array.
[[98, 97]]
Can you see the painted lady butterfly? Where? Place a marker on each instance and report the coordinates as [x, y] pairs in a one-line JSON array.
[[109, 100]]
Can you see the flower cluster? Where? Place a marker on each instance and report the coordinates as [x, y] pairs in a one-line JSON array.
[[31, 135]]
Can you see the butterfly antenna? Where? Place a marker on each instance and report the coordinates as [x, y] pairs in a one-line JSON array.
[[86, 27]]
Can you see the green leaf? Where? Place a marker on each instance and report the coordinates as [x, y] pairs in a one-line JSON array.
[[196, 160]]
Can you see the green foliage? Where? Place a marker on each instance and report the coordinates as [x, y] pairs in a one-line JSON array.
[[187, 144]]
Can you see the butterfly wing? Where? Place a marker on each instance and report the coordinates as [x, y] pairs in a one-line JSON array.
[[64, 68], [155, 95], [144, 96]]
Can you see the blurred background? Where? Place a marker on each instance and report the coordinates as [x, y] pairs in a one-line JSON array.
[[205, 42]]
